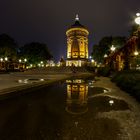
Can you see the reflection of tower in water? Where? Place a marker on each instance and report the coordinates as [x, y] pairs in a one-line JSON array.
[[77, 91]]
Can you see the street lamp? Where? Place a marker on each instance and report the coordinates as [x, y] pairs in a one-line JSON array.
[[6, 59], [111, 102], [6, 63], [39, 64], [137, 19], [105, 56], [25, 60], [112, 48], [136, 53], [92, 60], [1, 59], [20, 60], [90, 57]]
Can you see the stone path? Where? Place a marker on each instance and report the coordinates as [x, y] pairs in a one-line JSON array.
[[129, 119], [22, 80]]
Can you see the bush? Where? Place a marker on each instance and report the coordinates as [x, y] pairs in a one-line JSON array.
[[129, 81], [104, 71]]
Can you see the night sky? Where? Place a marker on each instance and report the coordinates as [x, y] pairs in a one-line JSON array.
[[47, 20]]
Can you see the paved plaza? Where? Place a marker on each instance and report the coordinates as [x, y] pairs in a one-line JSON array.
[[120, 121], [20, 80]]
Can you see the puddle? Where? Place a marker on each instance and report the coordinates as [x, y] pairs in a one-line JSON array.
[[63, 111], [93, 91], [82, 98], [106, 104]]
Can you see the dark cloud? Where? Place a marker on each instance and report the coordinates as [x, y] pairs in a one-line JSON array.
[[47, 20]]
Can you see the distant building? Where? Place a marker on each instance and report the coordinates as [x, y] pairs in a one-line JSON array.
[[77, 44], [11, 65]]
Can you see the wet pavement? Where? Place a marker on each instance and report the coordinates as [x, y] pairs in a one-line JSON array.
[[75, 109]]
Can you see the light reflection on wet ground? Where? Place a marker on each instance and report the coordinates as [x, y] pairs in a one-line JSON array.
[[27, 81], [64, 111]]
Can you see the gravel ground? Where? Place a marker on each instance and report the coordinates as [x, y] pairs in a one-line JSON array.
[[128, 119]]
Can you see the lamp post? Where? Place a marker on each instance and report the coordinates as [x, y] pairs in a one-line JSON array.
[[6, 59], [1, 59], [105, 56], [25, 63], [137, 21], [112, 48], [112, 62], [19, 60], [136, 53], [105, 59], [25, 60], [6, 64]]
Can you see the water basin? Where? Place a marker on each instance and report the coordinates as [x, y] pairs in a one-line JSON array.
[[62, 111]]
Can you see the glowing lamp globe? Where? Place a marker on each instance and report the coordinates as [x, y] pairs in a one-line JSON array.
[[105, 55], [1, 59], [137, 19], [136, 53], [6, 59], [112, 48]]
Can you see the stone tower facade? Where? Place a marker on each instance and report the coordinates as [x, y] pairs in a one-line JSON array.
[[77, 44]]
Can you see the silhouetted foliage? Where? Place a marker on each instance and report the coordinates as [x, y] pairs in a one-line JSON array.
[[7, 46], [104, 46], [133, 29], [104, 71], [35, 52], [129, 81]]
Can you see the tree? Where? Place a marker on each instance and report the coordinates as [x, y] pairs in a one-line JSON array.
[[119, 41], [104, 46], [96, 53], [101, 49], [35, 52], [7, 46], [133, 29]]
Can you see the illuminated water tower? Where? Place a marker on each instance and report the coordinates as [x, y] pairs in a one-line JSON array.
[[77, 44], [77, 91]]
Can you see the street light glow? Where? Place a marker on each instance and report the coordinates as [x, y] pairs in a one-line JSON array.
[[90, 57], [19, 60], [111, 102], [137, 14], [112, 48], [137, 19], [6, 59], [25, 60], [92, 60], [1, 59], [105, 55], [136, 53]]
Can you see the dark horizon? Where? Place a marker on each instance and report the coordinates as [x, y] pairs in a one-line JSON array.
[[47, 21]]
